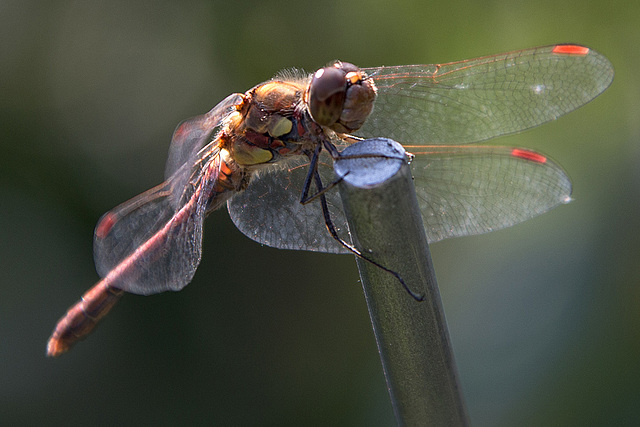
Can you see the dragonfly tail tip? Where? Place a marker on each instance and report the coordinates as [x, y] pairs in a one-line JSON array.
[[55, 347]]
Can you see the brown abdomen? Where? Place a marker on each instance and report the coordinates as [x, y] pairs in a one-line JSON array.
[[82, 317]]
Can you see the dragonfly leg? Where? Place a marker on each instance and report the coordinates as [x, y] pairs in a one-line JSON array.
[[313, 172], [313, 168]]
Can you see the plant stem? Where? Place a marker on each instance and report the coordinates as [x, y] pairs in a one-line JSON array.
[[385, 224]]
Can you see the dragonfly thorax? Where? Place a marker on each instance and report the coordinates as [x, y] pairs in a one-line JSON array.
[[267, 124]]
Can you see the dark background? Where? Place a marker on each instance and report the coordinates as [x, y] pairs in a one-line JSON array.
[[544, 317]]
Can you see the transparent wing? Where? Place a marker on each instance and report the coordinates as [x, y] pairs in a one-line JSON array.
[[191, 136], [126, 227], [269, 210], [478, 99], [462, 191], [467, 190], [146, 245]]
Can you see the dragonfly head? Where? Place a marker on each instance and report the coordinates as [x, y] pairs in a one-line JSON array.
[[340, 97]]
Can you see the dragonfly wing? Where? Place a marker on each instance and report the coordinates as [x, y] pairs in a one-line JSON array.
[[126, 227], [191, 136], [467, 190], [478, 99], [146, 245], [269, 210]]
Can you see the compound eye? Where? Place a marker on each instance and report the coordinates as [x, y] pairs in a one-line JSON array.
[[327, 92]]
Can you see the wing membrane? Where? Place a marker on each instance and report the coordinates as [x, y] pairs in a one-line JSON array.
[[467, 190], [478, 99], [147, 245], [191, 136], [269, 210]]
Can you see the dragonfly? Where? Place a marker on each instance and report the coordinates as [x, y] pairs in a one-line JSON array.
[[268, 155]]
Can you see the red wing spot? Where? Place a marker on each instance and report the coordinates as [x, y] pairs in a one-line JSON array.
[[105, 225], [570, 49], [182, 131], [528, 155]]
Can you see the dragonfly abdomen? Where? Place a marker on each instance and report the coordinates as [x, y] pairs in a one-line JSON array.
[[83, 317]]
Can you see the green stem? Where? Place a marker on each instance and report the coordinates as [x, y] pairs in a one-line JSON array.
[[385, 224]]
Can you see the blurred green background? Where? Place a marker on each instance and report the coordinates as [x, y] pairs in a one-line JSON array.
[[544, 317]]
